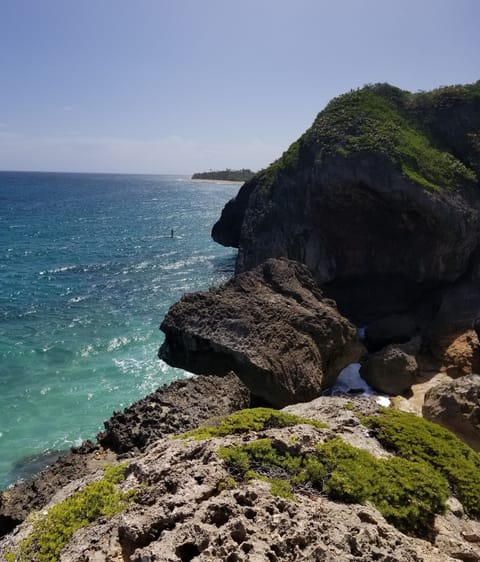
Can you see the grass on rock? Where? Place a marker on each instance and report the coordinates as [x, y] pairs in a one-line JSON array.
[[407, 493], [416, 439], [244, 421], [383, 120], [54, 529]]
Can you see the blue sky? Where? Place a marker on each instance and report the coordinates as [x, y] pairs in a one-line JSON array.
[[176, 86]]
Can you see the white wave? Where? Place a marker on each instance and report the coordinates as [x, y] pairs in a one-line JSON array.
[[62, 269], [117, 342], [87, 351], [349, 379], [193, 260]]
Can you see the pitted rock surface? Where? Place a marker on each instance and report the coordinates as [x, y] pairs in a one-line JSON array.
[[174, 408], [183, 513], [271, 326], [455, 405]]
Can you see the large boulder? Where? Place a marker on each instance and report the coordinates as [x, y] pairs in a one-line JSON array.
[[391, 370], [271, 326], [455, 405], [379, 198]]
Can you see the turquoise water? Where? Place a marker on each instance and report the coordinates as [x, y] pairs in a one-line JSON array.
[[87, 271]]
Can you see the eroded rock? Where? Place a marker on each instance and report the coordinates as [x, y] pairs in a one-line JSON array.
[[391, 370], [186, 509], [456, 405], [271, 326], [174, 408], [171, 409], [378, 230]]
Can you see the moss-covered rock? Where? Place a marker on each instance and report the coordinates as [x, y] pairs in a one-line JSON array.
[[408, 493], [418, 440], [244, 421], [53, 528]]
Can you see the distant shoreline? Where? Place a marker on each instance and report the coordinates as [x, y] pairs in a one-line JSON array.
[[217, 181]]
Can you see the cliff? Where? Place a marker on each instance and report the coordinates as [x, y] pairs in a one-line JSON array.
[[380, 198]]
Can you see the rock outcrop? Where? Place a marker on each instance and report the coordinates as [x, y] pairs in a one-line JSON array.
[[18, 502], [391, 370], [187, 508], [456, 405], [271, 326], [174, 408], [380, 199], [459, 355]]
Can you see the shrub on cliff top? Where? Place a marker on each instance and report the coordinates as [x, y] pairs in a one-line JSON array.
[[381, 119], [407, 493], [417, 439], [244, 421], [54, 529]]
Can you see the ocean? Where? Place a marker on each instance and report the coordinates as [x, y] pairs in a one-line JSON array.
[[88, 269]]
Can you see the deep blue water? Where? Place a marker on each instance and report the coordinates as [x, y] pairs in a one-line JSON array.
[[87, 271]]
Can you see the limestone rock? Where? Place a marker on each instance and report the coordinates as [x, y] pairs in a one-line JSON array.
[[183, 512], [460, 355], [456, 405], [271, 326], [391, 370], [18, 501]]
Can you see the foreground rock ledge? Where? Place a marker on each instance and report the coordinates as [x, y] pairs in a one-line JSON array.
[[174, 408], [183, 513], [271, 326]]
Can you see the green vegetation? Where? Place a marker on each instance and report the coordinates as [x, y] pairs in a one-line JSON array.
[[407, 493], [383, 120], [377, 119], [53, 530], [225, 175], [244, 421], [417, 439]]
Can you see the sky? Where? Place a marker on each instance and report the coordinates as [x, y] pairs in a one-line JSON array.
[[178, 86]]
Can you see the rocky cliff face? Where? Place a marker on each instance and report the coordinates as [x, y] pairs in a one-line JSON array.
[[380, 198]]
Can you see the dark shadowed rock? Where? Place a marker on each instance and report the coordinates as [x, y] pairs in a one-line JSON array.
[[395, 328], [175, 408], [391, 370], [456, 405], [271, 326]]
